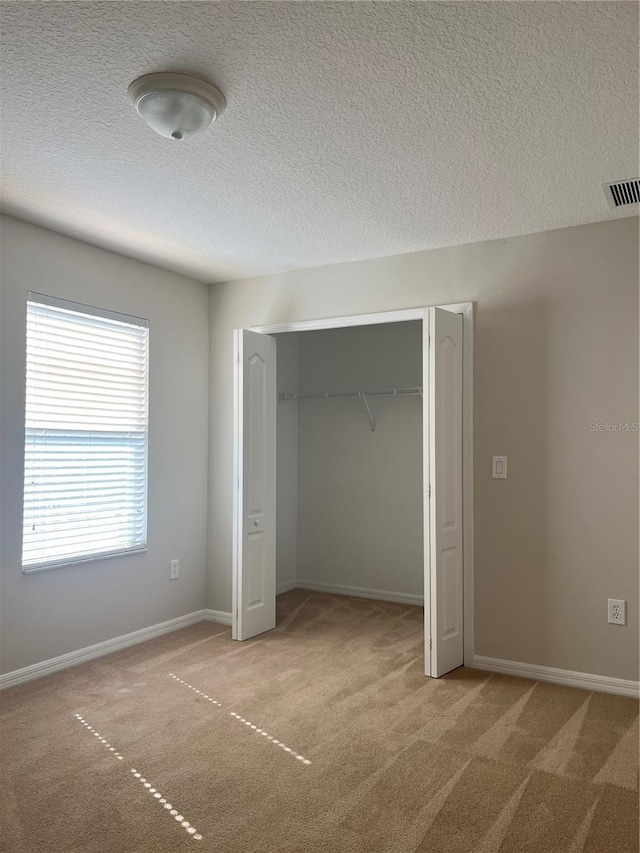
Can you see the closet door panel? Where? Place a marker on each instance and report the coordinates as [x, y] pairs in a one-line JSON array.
[[255, 500], [445, 501]]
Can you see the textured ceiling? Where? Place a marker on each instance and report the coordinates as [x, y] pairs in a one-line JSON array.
[[352, 130]]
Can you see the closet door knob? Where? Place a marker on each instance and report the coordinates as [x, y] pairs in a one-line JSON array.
[[256, 522]]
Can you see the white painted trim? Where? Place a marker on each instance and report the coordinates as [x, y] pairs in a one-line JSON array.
[[107, 647], [585, 680], [400, 316], [236, 555], [285, 586], [427, 402], [222, 617], [467, 477], [362, 592]]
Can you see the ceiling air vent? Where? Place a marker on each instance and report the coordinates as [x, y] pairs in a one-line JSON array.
[[623, 193]]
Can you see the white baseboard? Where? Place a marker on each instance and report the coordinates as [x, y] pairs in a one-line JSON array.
[[585, 680], [361, 592], [47, 667], [285, 586], [219, 616]]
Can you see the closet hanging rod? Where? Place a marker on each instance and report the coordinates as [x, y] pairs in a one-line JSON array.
[[390, 392]]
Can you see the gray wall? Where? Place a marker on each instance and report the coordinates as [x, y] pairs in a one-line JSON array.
[[45, 614], [556, 350], [360, 492]]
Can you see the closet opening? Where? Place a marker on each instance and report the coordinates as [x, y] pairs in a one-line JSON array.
[[348, 469], [349, 506]]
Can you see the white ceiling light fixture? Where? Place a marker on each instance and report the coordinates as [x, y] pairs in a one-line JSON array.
[[176, 106]]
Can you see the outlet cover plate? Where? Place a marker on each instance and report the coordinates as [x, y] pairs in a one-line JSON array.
[[616, 611], [174, 569]]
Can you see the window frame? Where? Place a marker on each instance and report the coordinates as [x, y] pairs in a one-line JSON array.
[[129, 319]]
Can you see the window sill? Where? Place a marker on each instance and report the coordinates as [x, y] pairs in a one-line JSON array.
[[77, 561]]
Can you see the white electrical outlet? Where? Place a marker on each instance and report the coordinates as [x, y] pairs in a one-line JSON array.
[[617, 611], [174, 569]]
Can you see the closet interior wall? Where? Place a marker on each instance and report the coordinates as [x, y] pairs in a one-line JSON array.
[[349, 498]]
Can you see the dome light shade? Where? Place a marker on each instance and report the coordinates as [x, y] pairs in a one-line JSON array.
[[176, 106]]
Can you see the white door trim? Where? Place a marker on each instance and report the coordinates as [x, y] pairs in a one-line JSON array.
[[399, 316], [237, 509], [342, 322]]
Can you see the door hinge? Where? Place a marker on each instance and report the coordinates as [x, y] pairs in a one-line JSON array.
[[430, 643]]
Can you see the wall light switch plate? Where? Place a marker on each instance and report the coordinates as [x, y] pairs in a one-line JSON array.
[[499, 467], [174, 569], [616, 611]]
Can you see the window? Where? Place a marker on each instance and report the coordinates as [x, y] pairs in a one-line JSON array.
[[86, 433]]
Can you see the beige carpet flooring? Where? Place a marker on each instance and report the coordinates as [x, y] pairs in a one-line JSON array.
[[124, 754]]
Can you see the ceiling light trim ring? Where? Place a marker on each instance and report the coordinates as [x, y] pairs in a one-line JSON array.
[[168, 82]]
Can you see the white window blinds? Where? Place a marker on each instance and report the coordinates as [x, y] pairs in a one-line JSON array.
[[86, 430]]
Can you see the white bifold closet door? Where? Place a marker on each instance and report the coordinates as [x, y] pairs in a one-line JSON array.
[[444, 648], [254, 557], [254, 523]]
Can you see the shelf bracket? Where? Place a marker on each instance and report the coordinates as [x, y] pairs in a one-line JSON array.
[[369, 413]]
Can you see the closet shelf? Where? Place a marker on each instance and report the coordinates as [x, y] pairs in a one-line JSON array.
[[388, 392]]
